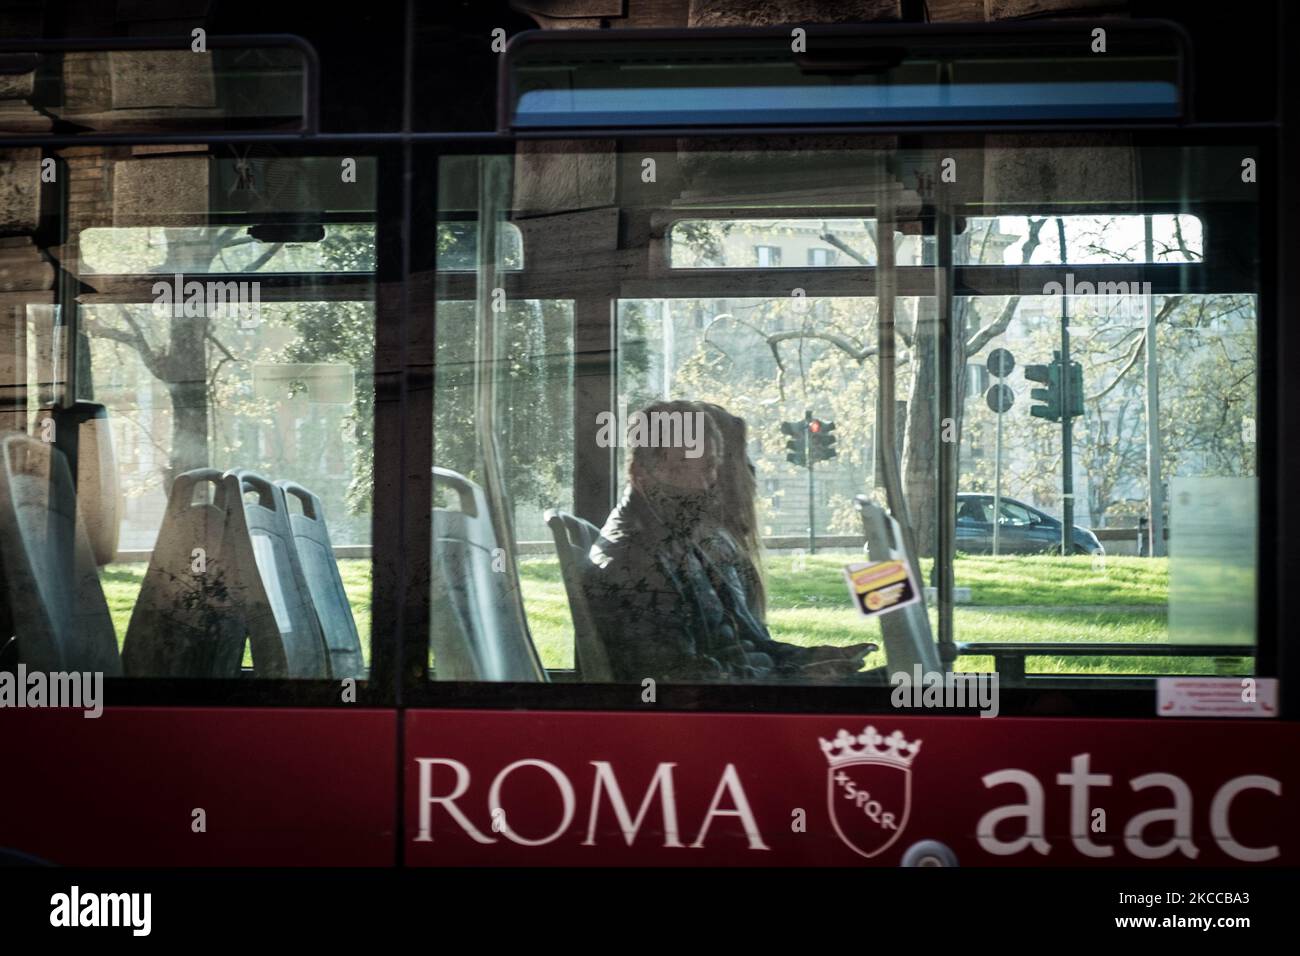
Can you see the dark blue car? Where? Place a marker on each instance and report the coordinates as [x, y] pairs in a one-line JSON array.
[[1022, 529]]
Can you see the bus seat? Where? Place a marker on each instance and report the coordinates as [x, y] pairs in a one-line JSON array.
[[59, 613], [324, 583], [906, 634], [83, 434], [477, 633], [573, 540], [270, 589], [185, 623]]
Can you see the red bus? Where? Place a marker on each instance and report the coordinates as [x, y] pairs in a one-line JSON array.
[[311, 436]]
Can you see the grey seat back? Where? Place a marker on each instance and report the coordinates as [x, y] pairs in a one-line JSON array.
[[84, 435], [57, 606], [269, 586], [475, 602], [185, 622], [324, 582], [573, 540], [906, 633]]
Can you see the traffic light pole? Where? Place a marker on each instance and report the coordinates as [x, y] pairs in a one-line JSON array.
[[812, 527], [1067, 420], [808, 457], [997, 484]]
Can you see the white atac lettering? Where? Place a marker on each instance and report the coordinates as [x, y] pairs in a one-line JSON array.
[[605, 789], [74, 908], [1081, 781]]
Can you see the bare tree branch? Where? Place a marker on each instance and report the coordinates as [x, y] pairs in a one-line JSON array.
[[845, 248], [859, 353], [156, 364], [265, 257], [908, 335], [1182, 243], [985, 335], [1138, 348], [224, 351]]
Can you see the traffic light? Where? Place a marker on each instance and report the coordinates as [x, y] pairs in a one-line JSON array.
[[1049, 375], [821, 443], [795, 445], [1075, 390], [1051, 396]]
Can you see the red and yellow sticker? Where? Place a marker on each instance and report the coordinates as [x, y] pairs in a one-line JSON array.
[[881, 586]]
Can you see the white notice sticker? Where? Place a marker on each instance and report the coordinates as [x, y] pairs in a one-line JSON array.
[[1216, 696]]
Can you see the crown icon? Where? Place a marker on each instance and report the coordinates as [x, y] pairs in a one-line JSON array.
[[870, 747]]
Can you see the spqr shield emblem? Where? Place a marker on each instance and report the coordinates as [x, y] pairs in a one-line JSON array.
[[869, 787]]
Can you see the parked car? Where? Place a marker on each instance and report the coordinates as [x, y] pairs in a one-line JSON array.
[[1022, 529]]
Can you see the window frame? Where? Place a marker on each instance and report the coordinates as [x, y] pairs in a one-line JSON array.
[[406, 279], [1115, 696], [381, 688]]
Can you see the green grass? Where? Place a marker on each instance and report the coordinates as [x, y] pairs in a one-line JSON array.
[[1016, 599], [818, 580], [122, 582], [548, 610]]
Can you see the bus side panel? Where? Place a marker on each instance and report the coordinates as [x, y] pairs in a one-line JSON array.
[[276, 787], [565, 788]]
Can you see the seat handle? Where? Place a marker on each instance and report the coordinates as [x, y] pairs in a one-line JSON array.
[[310, 503], [252, 481], [182, 495], [464, 488]]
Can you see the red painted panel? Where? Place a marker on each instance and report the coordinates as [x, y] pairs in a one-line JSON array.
[[758, 771], [279, 787]]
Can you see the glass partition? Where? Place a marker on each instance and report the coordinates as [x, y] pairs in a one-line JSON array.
[[1113, 316]]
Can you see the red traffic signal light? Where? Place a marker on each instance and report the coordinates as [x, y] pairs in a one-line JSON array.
[[821, 439]]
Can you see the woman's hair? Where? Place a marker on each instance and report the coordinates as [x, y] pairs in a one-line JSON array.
[[647, 458], [735, 499]]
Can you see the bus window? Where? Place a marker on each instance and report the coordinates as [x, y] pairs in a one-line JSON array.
[[536, 444], [343, 247], [215, 406], [586, 329], [753, 284], [747, 243]]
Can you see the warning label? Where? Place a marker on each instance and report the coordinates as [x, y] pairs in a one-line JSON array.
[[1216, 696], [881, 587]]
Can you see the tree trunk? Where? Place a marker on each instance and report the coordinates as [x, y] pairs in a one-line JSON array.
[[189, 426], [924, 430], [187, 371], [920, 451]]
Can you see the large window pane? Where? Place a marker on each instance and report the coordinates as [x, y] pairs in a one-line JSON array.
[[755, 285]]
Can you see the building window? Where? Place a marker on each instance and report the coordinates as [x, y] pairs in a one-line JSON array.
[[767, 256]]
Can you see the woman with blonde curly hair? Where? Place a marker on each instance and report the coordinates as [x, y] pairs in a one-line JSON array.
[[730, 540], [734, 511]]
